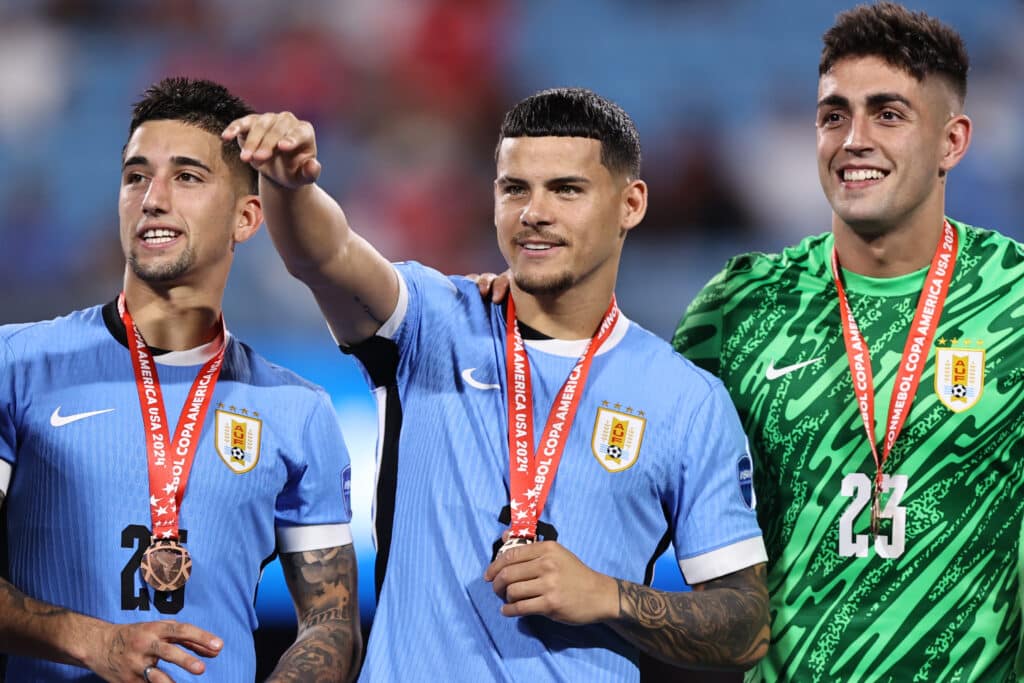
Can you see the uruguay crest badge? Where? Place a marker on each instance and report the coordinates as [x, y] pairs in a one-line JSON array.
[[617, 438], [238, 440], [959, 374]]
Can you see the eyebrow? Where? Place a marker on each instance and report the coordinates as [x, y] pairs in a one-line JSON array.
[[176, 160], [562, 180], [873, 101]]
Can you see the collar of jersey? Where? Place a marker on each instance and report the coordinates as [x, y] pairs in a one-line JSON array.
[[194, 356], [573, 348], [900, 285]]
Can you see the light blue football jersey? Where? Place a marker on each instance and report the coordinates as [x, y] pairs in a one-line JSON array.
[[267, 477], [655, 455]]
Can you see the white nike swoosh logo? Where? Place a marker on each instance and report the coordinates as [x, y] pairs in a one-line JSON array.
[[467, 375], [58, 420], [774, 373]]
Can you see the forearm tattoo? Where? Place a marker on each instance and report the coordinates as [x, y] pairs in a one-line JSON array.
[[26, 624], [322, 583], [721, 623]]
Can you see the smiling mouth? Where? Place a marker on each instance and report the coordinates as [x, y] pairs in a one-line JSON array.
[[158, 236], [859, 175]]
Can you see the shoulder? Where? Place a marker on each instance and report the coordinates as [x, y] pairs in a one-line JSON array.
[[432, 293], [59, 333], [252, 368], [420, 277], [809, 258], [656, 359], [985, 241]]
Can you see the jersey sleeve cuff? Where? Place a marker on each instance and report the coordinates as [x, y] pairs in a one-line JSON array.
[[5, 476], [297, 539], [390, 327], [723, 561]]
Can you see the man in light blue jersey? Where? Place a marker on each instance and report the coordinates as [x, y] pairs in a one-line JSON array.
[[151, 463], [535, 458]]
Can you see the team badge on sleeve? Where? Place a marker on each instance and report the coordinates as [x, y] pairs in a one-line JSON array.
[[745, 472], [959, 375], [617, 438], [238, 440]]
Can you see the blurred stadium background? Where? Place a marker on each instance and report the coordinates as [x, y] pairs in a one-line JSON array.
[[407, 96]]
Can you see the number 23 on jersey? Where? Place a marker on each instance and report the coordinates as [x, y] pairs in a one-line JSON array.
[[858, 487]]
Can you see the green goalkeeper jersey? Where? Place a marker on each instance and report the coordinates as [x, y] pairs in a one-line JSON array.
[[934, 595]]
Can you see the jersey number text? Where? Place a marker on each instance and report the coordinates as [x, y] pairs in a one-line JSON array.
[[858, 486]]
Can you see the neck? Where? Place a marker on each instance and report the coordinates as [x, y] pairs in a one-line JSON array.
[[177, 318], [889, 253], [569, 315]]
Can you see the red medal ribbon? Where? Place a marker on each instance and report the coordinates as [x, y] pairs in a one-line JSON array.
[[915, 352], [532, 473], [169, 462]]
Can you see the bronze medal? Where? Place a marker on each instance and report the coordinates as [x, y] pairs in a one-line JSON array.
[[166, 565]]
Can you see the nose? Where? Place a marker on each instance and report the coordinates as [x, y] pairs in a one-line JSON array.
[[537, 212], [858, 138], [157, 198]]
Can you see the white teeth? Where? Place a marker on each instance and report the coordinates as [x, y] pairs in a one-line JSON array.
[[855, 175], [537, 247], [158, 235]]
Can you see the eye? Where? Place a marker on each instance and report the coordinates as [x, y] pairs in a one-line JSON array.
[[569, 190], [513, 190], [189, 177], [890, 115], [831, 119], [133, 178]]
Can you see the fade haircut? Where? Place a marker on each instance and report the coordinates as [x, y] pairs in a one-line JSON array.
[[918, 44], [200, 103], [578, 113]]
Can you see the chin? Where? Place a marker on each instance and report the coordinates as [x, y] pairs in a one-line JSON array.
[[161, 273], [544, 285]]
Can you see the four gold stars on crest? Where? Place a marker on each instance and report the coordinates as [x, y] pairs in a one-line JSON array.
[[618, 406], [942, 341], [240, 411]]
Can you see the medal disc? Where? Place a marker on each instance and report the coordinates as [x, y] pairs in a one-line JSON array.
[[166, 565], [514, 541]]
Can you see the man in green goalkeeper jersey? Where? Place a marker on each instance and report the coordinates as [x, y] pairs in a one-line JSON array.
[[879, 373]]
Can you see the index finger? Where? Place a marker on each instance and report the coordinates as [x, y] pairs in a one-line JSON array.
[[194, 638], [514, 555], [238, 127]]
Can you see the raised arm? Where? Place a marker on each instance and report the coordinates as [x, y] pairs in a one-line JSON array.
[[355, 287], [329, 642]]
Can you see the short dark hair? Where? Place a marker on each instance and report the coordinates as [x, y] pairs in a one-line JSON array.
[[912, 41], [200, 103], [578, 113]]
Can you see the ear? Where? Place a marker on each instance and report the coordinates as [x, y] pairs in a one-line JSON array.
[[250, 217], [956, 139], [634, 204]]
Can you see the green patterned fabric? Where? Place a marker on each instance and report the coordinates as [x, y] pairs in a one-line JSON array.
[[935, 596]]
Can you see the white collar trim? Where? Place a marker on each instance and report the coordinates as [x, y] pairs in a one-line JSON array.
[[195, 356], [573, 348]]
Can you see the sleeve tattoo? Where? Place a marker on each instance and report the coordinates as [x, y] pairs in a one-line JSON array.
[[722, 623], [329, 642]]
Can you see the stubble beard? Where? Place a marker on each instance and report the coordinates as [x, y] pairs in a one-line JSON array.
[[545, 286], [158, 273]]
